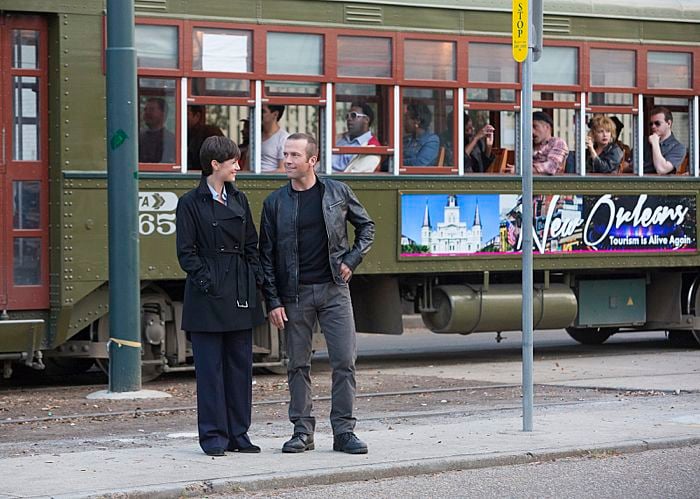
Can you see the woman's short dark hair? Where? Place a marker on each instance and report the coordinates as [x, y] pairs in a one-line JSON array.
[[217, 148], [421, 113]]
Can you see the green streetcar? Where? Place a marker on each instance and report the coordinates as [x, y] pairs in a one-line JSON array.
[[613, 252]]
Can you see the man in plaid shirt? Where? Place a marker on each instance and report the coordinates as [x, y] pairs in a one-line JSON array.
[[549, 153]]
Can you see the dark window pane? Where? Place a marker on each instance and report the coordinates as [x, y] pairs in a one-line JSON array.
[[25, 196], [427, 126], [293, 88], [220, 87], [27, 268], [364, 56], [157, 142], [25, 104], [610, 99], [490, 95], [25, 49]]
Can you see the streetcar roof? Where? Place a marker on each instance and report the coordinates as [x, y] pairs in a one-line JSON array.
[[648, 10]]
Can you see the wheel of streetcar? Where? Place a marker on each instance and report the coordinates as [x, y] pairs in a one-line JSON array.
[[149, 372], [683, 339], [67, 366], [61, 366], [591, 335], [689, 339]]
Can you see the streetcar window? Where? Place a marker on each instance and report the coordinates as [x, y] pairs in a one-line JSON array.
[[426, 133], [294, 53], [26, 209], [429, 60], [491, 95], [492, 63], [25, 102], [222, 50], [489, 141], [157, 121], [555, 96], [26, 261], [292, 88], [279, 120], [220, 87], [208, 121], [554, 158], [25, 49], [681, 116], [364, 56], [301, 118], [557, 66], [602, 131], [669, 70], [156, 46], [613, 68], [361, 120], [610, 99]]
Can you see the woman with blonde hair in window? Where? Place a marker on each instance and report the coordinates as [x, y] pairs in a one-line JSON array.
[[603, 155]]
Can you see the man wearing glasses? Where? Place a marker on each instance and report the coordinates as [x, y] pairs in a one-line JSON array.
[[663, 154], [358, 121]]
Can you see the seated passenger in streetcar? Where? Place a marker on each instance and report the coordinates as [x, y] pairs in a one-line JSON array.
[[663, 154], [477, 146], [548, 152], [358, 122], [273, 139], [156, 142], [603, 155], [626, 164], [420, 146], [197, 131]]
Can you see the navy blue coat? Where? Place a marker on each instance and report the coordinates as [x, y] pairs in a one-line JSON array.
[[217, 248]]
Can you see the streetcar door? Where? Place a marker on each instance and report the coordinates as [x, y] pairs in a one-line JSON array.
[[24, 271]]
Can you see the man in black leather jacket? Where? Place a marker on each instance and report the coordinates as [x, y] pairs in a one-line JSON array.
[[307, 262]]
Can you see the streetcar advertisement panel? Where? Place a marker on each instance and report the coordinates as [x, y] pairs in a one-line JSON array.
[[439, 225]]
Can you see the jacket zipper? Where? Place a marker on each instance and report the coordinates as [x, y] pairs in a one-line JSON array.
[[296, 247], [328, 235]]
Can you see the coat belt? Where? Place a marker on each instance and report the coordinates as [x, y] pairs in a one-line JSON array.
[[245, 279], [219, 252]]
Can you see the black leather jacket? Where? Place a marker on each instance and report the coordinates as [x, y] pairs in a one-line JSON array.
[[278, 237]]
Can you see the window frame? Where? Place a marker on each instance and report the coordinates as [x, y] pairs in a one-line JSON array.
[[460, 61], [694, 87]]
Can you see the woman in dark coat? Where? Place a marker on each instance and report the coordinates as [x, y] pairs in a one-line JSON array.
[[217, 248]]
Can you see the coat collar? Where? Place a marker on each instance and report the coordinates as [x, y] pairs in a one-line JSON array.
[[203, 189]]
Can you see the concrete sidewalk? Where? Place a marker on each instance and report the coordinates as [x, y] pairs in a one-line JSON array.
[[405, 446]]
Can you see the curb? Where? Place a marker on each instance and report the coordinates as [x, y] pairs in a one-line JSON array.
[[256, 483]]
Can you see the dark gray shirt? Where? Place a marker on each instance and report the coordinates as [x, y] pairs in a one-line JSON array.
[[671, 150]]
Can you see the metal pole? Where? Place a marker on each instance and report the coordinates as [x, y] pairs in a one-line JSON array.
[[526, 171], [122, 200]]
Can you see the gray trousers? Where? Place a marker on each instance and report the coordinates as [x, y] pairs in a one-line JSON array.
[[329, 304]]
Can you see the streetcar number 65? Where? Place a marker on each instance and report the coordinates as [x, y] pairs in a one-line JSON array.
[[162, 223]]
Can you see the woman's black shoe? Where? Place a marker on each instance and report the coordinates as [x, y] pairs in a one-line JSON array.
[[215, 452]]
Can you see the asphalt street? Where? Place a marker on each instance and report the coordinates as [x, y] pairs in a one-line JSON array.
[[662, 474]]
